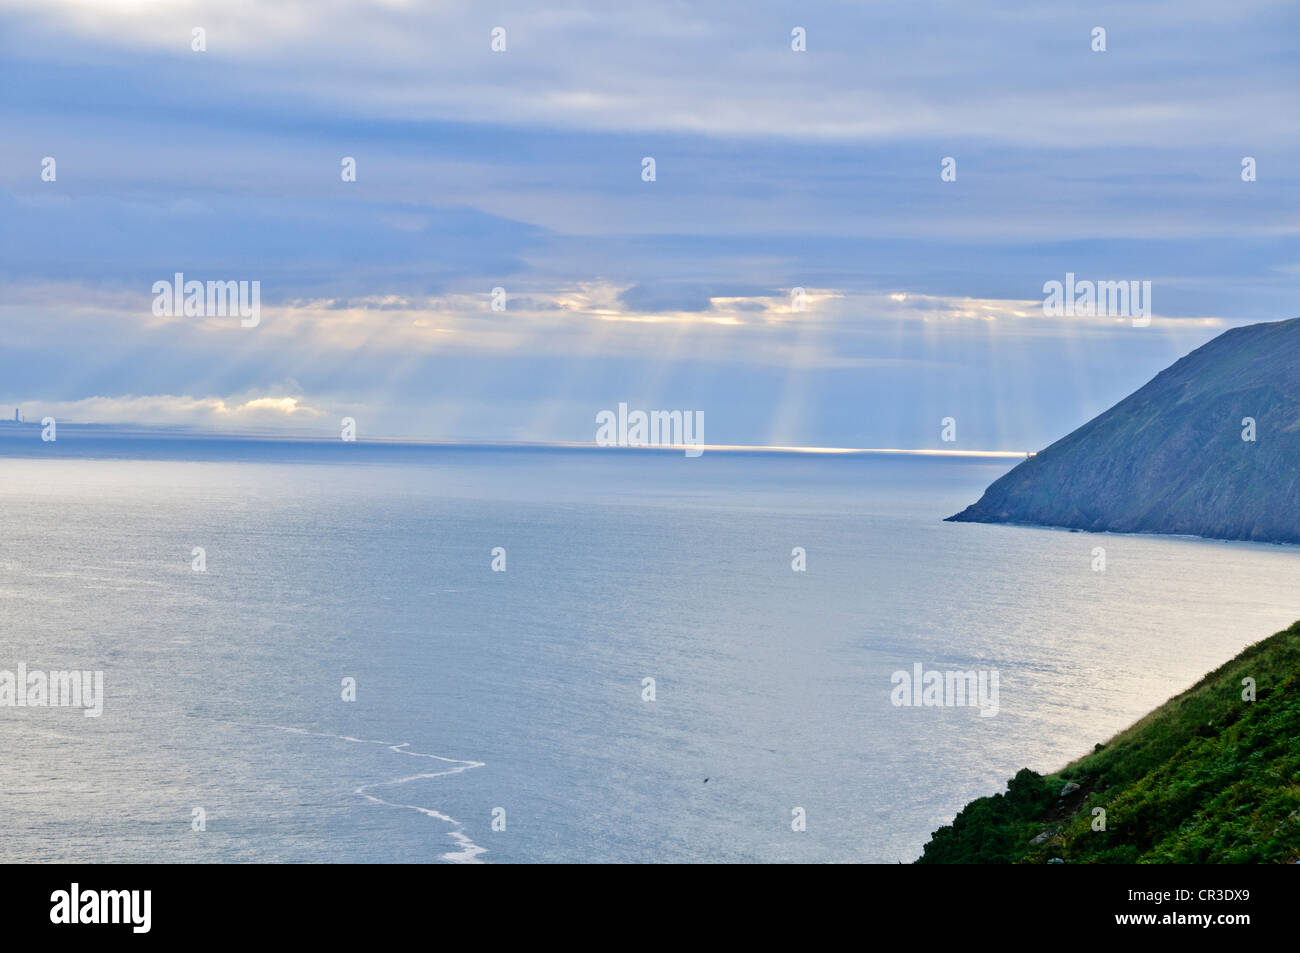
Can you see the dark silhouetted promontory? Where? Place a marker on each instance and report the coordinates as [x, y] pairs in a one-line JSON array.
[[1171, 457]]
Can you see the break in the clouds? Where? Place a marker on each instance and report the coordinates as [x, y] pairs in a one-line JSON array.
[[522, 170], [248, 412]]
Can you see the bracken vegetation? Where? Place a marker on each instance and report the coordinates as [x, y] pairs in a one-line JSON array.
[[1208, 777]]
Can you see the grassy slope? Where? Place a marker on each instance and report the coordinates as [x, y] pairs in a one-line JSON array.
[[1205, 778]]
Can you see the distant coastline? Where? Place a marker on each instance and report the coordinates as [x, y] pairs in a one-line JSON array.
[[146, 432]]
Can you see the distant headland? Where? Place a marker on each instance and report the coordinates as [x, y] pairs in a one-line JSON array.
[[1210, 447]]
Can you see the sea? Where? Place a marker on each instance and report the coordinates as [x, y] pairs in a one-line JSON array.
[[377, 652]]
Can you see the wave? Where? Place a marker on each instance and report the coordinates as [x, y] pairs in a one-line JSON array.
[[469, 851]]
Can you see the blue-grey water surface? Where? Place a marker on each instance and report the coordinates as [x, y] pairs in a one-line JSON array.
[[332, 561]]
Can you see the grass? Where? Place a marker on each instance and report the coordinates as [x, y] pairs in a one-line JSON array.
[[1208, 777]]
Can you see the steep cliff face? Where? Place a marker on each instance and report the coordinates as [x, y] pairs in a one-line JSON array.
[[1171, 457]]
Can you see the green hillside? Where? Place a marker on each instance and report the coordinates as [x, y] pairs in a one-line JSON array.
[[1208, 777]]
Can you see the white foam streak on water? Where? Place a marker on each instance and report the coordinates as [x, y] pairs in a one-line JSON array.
[[469, 852]]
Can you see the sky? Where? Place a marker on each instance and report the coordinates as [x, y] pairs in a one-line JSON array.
[[522, 169]]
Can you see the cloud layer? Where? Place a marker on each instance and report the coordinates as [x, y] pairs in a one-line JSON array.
[[522, 170]]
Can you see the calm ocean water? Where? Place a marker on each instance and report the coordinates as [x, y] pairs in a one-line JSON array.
[[522, 690]]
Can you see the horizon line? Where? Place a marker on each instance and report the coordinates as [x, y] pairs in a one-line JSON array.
[[300, 437]]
